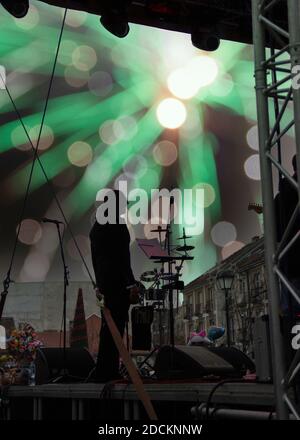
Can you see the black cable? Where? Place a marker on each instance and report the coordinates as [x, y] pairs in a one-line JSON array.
[[218, 385]]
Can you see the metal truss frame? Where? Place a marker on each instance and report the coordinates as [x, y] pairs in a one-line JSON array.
[[271, 63]]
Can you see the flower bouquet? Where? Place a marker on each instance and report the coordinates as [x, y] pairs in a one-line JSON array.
[[22, 345], [15, 366]]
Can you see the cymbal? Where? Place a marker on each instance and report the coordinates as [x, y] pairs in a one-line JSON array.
[[163, 258], [185, 237], [185, 258], [172, 259], [185, 248], [159, 229]]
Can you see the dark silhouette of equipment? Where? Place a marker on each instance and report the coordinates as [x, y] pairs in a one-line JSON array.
[[18, 8], [190, 362], [205, 41], [141, 320], [262, 348], [49, 363]]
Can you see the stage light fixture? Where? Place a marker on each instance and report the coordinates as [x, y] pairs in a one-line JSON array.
[[205, 40], [115, 24], [114, 18], [18, 8]]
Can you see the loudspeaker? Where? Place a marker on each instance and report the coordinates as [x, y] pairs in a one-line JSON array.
[[191, 362], [49, 363]]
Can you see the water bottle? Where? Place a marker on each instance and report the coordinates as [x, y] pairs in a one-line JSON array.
[[31, 377]]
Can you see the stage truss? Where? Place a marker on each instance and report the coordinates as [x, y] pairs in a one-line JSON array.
[[270, 64]]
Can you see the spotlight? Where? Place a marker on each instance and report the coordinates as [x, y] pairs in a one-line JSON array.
[[18, 8], [205, 41], [115, 24], [114, 17]]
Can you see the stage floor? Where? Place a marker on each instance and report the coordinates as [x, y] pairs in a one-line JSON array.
[[91, 401]]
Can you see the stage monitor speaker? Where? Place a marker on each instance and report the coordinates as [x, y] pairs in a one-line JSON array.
[[49, 364], [191, 362]]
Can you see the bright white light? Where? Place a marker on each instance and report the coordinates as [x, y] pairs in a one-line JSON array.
[[200, 72], [180, 85], [171, 113], [205, 69]]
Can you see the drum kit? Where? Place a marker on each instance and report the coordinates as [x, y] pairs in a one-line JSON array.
[[180, 254], [166, 281]]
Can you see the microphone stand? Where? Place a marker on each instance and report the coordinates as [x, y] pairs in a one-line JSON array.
[[64, 372]]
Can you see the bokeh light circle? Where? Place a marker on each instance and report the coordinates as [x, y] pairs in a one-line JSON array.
[[76, 78], [100, 83], [80, 154], [84, 58], [171, 113], [223, 233], [47, 137], [129, 127], [136, 167], [209, 193], [30, 232], [252, 167], [75, 19], [111, 131], [67, 47], [165, 153], [252, 138]]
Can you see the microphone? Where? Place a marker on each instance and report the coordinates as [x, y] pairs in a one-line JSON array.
[[49, 220]]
